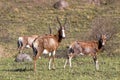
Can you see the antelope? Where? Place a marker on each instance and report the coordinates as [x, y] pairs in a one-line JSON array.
[[26, 41], [86, 48], [48, 45]]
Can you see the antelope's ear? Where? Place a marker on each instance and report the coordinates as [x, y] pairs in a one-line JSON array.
[[108, 36]]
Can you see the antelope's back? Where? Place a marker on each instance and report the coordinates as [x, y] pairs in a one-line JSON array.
[[50, 42]]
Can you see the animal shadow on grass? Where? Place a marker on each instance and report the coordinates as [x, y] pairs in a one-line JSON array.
[[18, 70]]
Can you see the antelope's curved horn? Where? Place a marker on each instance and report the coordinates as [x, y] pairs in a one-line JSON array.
[[65, 21], [50, 29], [59, 22]]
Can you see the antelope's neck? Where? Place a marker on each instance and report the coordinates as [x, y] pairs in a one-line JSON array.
[[99, 44], [58, 37]]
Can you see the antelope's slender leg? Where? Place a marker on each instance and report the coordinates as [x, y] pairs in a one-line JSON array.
[[34, 65], [50, 60], [70, 58], [22, 48], [53, 56], [96, 62], [66, 62], [37, 57]]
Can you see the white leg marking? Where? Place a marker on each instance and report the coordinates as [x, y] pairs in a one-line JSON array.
[[65, 63], [50, 54], [50, 63], [97, 65], [54, 52], [70, 58], [49, 67]]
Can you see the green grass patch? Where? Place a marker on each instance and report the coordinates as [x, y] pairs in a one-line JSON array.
[[83, 69]]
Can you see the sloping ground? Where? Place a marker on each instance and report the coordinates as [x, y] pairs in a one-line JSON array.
[[1, 51], [27, 17]]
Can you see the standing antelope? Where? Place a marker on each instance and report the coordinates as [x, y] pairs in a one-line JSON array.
[[86, 48], [25, 41], [48, 44]]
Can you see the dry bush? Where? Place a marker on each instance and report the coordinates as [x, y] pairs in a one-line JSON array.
[[108, 26], [101, 26], [99, 2], [96, 2], [107, 1]]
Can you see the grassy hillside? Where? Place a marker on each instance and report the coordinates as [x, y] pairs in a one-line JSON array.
[[27, 17]]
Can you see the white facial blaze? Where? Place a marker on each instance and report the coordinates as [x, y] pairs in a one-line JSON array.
[[103, 43], [63, 33]]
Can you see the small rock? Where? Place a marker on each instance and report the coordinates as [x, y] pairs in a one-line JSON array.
[[61, 4], [22, 57]]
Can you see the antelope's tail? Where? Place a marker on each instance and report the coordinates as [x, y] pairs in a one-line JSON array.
[[19, 43]]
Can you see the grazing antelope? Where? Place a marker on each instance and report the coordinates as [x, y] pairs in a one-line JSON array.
[[25, 41], [48, 44], [85, 48]]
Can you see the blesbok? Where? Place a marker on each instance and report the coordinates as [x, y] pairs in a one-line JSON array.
[[48, 44], [85, 48], [26, 41]]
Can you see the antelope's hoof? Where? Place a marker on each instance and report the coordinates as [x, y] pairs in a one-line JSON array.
[[97, 69], [53, 68], [49, 68]]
